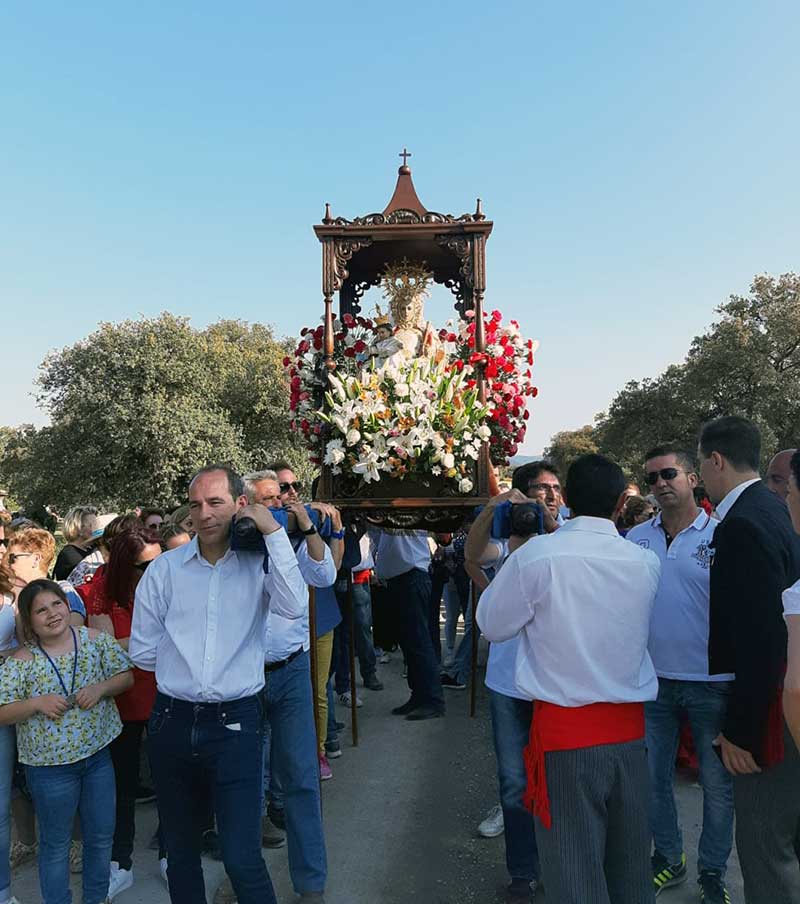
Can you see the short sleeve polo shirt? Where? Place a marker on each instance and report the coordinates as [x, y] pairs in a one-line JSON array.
[[680, 621]]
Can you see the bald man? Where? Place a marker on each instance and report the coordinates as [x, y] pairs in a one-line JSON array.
[[778, 472]]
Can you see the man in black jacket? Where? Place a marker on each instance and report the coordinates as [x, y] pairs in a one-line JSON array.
[[756, 557]]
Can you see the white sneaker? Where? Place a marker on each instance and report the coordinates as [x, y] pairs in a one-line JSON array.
[[346, 700], [162, 865], [493, 825], [119, 881]]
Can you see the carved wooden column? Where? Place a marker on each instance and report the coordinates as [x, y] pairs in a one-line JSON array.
[[328, 288]]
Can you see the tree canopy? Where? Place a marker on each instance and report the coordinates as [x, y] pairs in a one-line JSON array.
[[138, 406], [746, 363]]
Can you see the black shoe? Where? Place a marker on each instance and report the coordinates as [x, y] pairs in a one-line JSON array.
[[406, 708], [520, 891], [372, 684], [277, 816], [145, 795], [210, 845], [452, 683], [339, 726], [712, 887], [666, 874], [421, 713]]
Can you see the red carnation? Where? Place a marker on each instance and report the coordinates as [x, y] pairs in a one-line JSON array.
[[350, 352], [348, 320]]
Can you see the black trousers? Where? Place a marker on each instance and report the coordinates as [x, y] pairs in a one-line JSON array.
[[125, 752]]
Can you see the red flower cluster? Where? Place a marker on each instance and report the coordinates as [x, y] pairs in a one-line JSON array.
[[506, 365]]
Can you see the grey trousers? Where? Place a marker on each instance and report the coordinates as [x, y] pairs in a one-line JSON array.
[[767, 822], [598, 848]]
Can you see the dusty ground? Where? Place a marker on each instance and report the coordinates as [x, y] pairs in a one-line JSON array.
[[400, 816]]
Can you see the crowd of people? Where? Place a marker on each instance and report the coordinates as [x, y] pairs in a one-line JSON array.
[[222, 633]]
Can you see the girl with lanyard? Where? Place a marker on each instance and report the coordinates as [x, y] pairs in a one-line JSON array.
[[58, 688], [8, 643]]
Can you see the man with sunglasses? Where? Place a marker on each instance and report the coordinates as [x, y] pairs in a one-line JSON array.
[[681, 535]]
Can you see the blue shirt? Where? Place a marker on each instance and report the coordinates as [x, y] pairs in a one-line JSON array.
[[73, 598], [397, 553], [679, 624]]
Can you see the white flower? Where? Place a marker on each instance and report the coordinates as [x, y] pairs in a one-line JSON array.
[[464, 485], [368, 466], [436, 470], [334, 453], [448, 460], [353, 436], [401, 390], [483, 432]]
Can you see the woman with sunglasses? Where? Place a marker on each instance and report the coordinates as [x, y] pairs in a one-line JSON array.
[[58, 689], [110, 608]]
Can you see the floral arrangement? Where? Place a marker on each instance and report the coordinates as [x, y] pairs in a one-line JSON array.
[[421, 418], [417, 419], [307, 382], [507, 364]]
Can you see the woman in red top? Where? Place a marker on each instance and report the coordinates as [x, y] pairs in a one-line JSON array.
[[109, 605]]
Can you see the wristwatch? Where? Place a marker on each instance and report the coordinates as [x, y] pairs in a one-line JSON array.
[[310, 532]]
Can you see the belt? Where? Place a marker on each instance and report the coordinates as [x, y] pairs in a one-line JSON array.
[[274, 666], [190, 706]]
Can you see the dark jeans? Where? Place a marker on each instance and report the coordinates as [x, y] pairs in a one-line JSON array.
[[125, 751], [220, 745], [362, 616], [410, 595], [385, 631], [461, 667], [511, 728]]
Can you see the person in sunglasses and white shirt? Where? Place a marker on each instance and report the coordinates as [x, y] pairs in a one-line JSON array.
[[199, 624], [681, 535]]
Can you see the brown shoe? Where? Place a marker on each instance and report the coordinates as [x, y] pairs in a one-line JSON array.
[[225, 893]]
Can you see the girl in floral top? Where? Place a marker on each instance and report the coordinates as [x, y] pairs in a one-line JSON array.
[[58, 688], [8, 643]]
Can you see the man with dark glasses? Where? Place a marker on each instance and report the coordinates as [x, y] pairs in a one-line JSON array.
[[681, 535]]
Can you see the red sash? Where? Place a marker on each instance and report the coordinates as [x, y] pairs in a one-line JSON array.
[[362, 577], [573, 728]]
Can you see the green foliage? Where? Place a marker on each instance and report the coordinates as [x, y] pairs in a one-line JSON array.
[[747, 363], [138, 406], [568, 445]]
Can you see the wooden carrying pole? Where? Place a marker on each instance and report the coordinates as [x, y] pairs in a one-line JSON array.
[[350, 613]]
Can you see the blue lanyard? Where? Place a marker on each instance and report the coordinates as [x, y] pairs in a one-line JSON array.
[[70, 695]]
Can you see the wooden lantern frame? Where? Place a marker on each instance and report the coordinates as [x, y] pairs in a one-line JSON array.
[[354, 256]]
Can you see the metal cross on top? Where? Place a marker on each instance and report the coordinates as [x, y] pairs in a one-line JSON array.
[[405, 155]]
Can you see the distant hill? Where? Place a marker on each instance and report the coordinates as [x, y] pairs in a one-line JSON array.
[[518, 460]]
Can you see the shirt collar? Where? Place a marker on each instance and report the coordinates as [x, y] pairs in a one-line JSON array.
[[192, 551], [591, 524], [730, 500], [698, 524]]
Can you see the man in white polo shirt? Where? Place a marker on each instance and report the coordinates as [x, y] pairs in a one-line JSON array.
[[681, 535]]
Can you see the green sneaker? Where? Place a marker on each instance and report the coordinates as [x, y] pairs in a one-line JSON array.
[[712, 888], [666, 874]]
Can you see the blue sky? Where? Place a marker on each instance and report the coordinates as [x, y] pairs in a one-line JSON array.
[[640, 162]]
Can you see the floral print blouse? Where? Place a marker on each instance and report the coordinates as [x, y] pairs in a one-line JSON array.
[[79, 733]]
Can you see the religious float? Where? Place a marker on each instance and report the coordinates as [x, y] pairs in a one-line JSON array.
[[406, 419]]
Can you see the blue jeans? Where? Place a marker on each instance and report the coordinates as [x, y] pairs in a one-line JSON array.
[[220, 746], [461, 667], [7, 751], [85, 787], [705, 704], [511, 727], [292, 771], [410, 595], [365, 651]]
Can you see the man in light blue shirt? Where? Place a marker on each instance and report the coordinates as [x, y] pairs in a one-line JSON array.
[[682, 537]]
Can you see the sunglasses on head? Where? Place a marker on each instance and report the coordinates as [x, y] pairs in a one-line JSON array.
[[295, 485], [665, 473]]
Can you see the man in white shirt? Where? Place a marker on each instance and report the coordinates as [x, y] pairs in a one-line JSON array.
[[292, 768], [581, 600], [402, 559], [682, 536], [199, 623]]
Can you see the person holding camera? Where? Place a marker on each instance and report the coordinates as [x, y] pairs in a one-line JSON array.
[[579, 601], [199, 624], [510, 708]]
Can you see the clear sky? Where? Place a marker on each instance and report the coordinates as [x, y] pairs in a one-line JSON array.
[[640, 161]]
